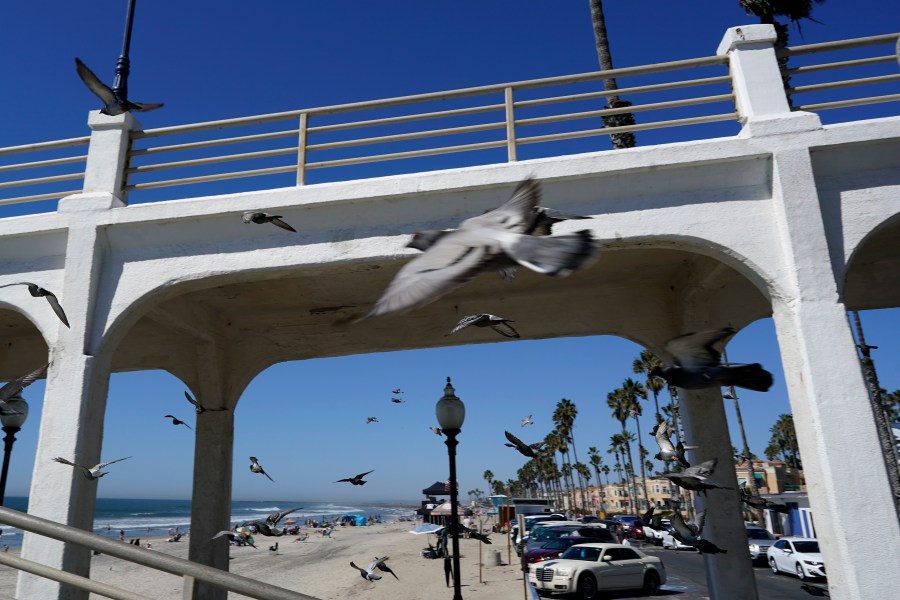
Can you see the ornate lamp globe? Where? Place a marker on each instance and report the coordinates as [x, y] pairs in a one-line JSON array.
[[15, 413], [450, 410]]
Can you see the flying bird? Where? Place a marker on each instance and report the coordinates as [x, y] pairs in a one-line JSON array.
[[498, 324], [695, 478], [397, 391], [689, 533], [436, 430], [477, 535], [200, 409], [529, 450], [496, 238], [263, 528], [91, 473], [371, 420], [381, 566], [527, 421], [357, 480], [235, 536], [698, 364], [274, 518], [112, 105], [397, 401], [261, 217], [15, 387], [255, 467], [367, 574], [37, 291], [667, 452], [177, 421], [761, 503]]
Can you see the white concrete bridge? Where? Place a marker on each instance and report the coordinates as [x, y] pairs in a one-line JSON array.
[[789, 219]]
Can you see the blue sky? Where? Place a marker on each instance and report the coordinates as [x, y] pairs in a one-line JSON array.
[[213, 60]]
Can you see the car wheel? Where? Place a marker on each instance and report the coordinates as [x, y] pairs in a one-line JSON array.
[[773, 565], [801, 573], [651, 583], [587, 587]]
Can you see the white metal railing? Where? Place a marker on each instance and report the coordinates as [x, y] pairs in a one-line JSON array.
[[189, 571], [45, 167]]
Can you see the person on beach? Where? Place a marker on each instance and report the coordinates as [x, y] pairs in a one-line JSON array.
[[121, 535]]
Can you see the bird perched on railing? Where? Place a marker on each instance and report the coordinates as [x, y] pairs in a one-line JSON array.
[[112, 105]]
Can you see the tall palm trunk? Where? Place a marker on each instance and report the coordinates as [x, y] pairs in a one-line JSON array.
[[604, 56], [641, 455]]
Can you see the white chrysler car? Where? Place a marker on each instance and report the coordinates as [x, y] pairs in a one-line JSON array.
[[588, 569], [797, 555]]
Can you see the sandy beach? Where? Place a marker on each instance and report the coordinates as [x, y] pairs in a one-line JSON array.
[[320, 567]]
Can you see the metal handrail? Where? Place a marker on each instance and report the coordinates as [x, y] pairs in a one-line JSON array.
[[155, 560]]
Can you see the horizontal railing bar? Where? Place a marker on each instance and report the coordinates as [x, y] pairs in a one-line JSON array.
[[36, 197], [406, 136], [406, 118], [410, 154], [216, 177], [625, 91], [832, 85], [211, 160], [435, 96], [41, 146], [156, 560], [40, 180], [626, 109], [553, 137], [872, 40], [853, 102], [859, 62], [219, 142], [77, 581], [43, 163]]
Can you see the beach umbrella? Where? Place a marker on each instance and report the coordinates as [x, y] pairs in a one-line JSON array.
[[426, 528], [290, 521]]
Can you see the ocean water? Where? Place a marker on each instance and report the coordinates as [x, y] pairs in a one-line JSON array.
[[154, 518]]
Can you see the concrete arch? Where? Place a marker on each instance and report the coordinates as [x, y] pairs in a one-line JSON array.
[[871, 278], [25, 339]]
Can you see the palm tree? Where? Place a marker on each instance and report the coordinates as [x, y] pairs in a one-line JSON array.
[[605, 470], [644, 366], [621, 408], [564, 418], [604, 56], [633, 392], [597, 462], [556, 443], [784, 437], [584, 475], [489, 477]]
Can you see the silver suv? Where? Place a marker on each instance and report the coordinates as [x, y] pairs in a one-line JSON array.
[[759, 541]]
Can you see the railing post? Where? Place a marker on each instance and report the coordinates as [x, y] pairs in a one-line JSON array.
[[301, 150], [758, 88], [510, 125]]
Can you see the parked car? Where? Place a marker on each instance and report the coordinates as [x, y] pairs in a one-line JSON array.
[[797, 555], [545, 532], [655, 536], [551, 549], [589, 569], [521, 538], [759, 541], [626, 520]]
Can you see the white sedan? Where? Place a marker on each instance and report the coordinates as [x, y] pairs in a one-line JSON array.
[[797, 555], [588, 569]]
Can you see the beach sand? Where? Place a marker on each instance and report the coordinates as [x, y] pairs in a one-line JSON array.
[[320, 567]]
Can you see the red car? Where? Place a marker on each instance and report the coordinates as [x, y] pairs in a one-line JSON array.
[[553, 548]]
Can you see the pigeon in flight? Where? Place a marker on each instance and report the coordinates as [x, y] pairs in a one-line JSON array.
[[235, 536], [652, 520], [200, 409], [263, 528], [689, 533], [261, 217], [111, 104], [667, 452], [499, 236], [498, 324], [381, 566], [15, 387], [695, 478], [91, 473], [177, 421], [761, 503], [436, 430], [255, 467], [397, 401], [476, 535], [274, 518], [397, 391], [357, 480], [37, 291], [371, 420], [698, 364], [529, 450], [367, 574], [527, 421]]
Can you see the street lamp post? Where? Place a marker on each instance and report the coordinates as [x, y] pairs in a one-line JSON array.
[[120, 85], [12, 419], [451, 413]]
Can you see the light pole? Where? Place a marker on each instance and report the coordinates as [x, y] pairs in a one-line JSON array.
[[12, 419], [451, 413], [120, 85]]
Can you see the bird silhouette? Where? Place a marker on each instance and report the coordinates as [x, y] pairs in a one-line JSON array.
[[198, 408], [255, 467], [371, 420], [529, 450], [499, 324], [397, 401], [177, 421], [356, 480], [367, 574], [397, 391], [37, 291], [15, 387], [698, 364], [381, 566], [261, 217], [274, 518], [452, 258], [436, 430], [90, 473], [112, 105]]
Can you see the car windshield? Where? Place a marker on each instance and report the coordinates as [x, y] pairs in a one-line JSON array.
[[582, 553], [560, 544], [759, 534], [549, 533], [806, 547]]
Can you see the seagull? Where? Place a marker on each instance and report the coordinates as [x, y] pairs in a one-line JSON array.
[[498, 324], [255, 467], [371, 420], [397, 401], [689, 533], [200, 409], [436, 430], [234, 536], [91, 473], [274, 518], [367, 574], [177, 421], [452, 258], [667, 452], [761, 503], [695, 478], [527, 421], [15, 387], [529, 450], [357, 480], [397, 391], [111, 104], [261, 217], [37, 291], [698, 364], [379, 564]]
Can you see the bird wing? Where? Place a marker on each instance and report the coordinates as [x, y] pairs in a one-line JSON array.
[[254, 461], [263, 471], [361, 475], [468, 321], [230, 534], [695, 350], [191, 399], [697, 523], [363, 571], [18, 384], [54, 304], [97, 87], [274, 518], [516, 214], [505, 329], [248, 216], [704, 469], [141, 106], [379, 564], [278, 222], [340, 480], [679, 525], [515, 441], [662, 438], [62, 460], [106, 464]]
